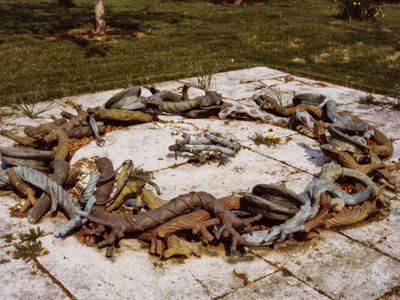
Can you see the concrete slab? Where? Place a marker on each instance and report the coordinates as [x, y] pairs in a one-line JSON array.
[[14, 226], [23, 280], [380, 234], [224, 275], [296, 151], [146, 144], [386, 119], [337, 266], [239, 175], [276, 286], [132, 274], [240, 131], [293, 149]]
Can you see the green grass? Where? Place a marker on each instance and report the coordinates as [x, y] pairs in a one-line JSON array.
[[303, 37]]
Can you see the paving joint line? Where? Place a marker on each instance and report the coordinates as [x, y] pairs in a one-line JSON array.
[[246, 285], [277, 160], [243, 146], [201, 283], [393, 292], [57, 282], [286, 270], [373, 247]]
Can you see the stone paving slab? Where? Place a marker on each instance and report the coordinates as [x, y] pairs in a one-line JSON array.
[[133, 274], [22, 280], [307, 157], [14, 226], [146, 144], [385, 119], [277, 286], [361, 262], [224, 275], [338, 267], [239, 175], [298, 151], [380, 234]]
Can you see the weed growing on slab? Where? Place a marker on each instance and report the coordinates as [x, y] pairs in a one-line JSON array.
[[269, 140], [369, 99], [27, 107], [29, 246]]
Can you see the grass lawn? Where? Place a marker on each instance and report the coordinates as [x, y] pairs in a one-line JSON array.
[[185, 38]]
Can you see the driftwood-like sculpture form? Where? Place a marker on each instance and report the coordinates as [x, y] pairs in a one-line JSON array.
[[166, 102], [120, 203], [206, 148], [308, 204]]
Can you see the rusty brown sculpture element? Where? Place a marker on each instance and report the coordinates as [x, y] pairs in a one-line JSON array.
[[106, 180], [25, 156], [62, 139], [352, 216], [166, 101], [35, 164], [121, 115], [350, 153], [180, 247], [78, 120], [269, 104], [25, 152], [83, 131], [42, 205], [319, 219], [375, 167], [50, 133], [381, 145], [122, 224], [384, 146], [151, 200], [131, 185], [125, 189], [197, 221], [23, 188], [21, 140], [210, 99]]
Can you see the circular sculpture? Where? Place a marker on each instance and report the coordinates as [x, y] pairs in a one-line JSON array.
[[117, 203]]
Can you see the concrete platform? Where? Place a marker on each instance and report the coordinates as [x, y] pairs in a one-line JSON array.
[[358, 263]]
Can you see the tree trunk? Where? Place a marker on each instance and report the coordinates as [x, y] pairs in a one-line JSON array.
[[100, 19]]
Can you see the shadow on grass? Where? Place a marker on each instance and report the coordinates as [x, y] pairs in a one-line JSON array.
[[41, 18], [48, 17], [131, 19]]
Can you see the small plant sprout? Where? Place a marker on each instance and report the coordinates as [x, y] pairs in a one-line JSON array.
[[269, 140], [29, 246], [205, 79], [27, 107], [369, 99], [269, 91]]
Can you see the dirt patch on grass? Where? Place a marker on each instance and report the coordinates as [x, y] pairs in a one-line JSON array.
[[85, 33]]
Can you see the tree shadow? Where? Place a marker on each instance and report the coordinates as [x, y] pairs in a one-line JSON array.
[[46, 18], [133, 19], [41, 18]]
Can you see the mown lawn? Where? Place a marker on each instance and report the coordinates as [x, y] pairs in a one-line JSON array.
[[303, 37]]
